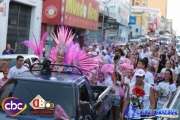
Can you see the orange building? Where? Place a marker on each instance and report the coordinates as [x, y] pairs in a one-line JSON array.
[[161, 4]]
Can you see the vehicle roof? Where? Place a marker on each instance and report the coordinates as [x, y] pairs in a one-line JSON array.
[[15, 56], [134, 40], [54, 77]]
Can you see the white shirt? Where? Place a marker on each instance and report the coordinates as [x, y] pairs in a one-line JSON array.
[[165, 92], [122, 60], [107, 59], [108, 81], [14, 71], [143, 55], [148, 78], [117, 87], [145, 100], [1, 82], [176, 71], [126, 80]]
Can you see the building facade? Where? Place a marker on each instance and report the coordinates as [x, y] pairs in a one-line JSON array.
[[19, 20], [153, 16], [139, 3], [141, 26], [161, 4]]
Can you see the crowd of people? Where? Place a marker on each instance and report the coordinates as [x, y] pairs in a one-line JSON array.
[[143, 76], [152, 68]]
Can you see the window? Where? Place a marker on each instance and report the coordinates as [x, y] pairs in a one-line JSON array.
[[28, 61], [84, 96], [136, 29], [137, 3], [34, 59], [7, 63]]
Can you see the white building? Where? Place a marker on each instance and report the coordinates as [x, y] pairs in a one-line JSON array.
[[153, 14], [18, 21]]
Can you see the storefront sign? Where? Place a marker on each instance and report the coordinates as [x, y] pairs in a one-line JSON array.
[[81, 13], [151, 27], [118, 12], [51, 11], [132, 20]]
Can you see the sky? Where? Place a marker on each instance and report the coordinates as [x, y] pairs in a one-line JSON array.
[[173, 13]]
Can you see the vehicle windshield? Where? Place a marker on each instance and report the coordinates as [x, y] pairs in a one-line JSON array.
[[176, 104], [7, 63], [172, 98], [61, 94]]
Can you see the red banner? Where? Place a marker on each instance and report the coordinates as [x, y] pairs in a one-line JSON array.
[[151, 27], [80, 13], [51, 11]]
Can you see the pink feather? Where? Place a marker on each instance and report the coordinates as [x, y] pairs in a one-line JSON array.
[[65, 35], [59, 113], [30, 45], [42, 42], [52, 55], [108, 68], [34, 46]]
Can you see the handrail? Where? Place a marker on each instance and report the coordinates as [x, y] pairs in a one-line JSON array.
[[54, 65]]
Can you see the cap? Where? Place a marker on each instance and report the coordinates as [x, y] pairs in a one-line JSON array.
[[105, 51], [140, 72]]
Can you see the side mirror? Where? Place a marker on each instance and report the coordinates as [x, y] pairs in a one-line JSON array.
[[85, 108], [96, 95]]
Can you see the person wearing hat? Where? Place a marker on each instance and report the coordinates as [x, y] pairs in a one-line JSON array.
[[140, 95], [142, 64], [107, 58]]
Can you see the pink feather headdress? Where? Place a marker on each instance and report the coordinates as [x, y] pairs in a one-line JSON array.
[[38, 49], [63, 39], [73, 54]]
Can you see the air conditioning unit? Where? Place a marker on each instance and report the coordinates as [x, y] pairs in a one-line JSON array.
[[1, 1]]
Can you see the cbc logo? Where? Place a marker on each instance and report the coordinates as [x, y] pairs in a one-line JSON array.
[[13, 106], [39, 103]]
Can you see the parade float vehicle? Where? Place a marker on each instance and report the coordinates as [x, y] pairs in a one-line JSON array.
[[70, 89]]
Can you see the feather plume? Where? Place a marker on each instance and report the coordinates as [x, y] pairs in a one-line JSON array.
[[34, 46], [52, 55]]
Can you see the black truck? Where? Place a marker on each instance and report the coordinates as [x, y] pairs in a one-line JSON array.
[[67, 89]]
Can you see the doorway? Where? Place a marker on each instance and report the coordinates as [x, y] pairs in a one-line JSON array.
[[18, 26]]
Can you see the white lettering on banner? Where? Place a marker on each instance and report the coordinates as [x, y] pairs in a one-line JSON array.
[[4, 10]]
